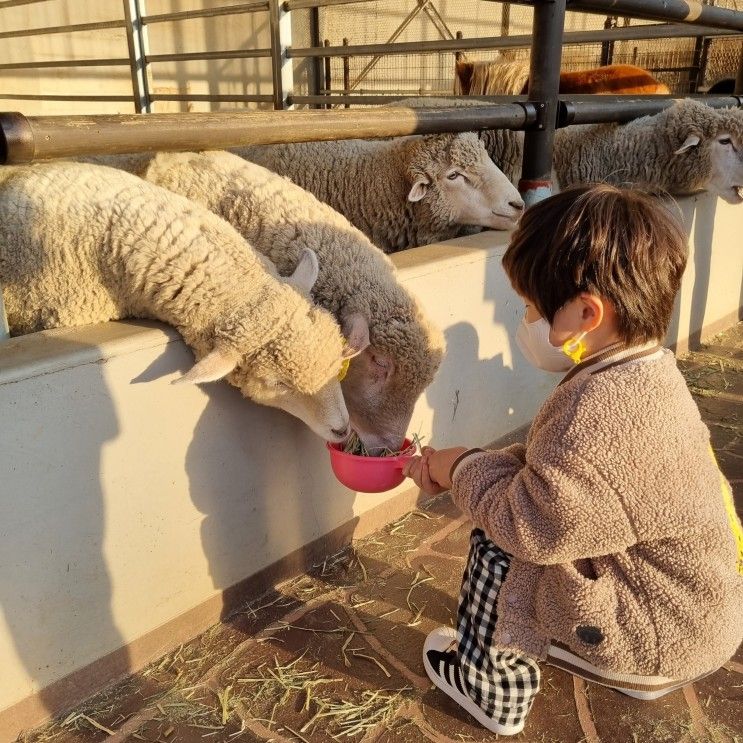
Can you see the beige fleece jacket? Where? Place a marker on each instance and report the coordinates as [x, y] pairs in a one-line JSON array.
[[622, 547]]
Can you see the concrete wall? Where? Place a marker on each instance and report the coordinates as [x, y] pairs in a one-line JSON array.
[[130, 509]]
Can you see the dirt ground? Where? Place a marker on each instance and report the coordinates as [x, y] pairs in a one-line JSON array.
[[335, 654]]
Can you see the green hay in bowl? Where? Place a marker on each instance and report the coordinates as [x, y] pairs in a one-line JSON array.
[[355, 446]]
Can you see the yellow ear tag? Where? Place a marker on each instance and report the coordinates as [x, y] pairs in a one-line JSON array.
[[344, 369], [574, 348]]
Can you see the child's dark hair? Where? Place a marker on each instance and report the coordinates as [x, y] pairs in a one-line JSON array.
[[621, 244]]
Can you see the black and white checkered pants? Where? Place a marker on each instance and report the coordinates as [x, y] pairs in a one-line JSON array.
[[503, 684]]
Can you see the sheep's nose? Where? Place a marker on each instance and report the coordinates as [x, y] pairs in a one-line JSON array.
[[341, 432], [517, 205]]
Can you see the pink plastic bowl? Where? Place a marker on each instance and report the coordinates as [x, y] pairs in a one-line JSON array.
[[368, 474]]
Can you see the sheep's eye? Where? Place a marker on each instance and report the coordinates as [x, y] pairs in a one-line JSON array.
[[725, 140], [453, 175], [379, 362]]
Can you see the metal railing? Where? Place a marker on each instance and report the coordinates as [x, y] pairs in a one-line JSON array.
[[25, 139]]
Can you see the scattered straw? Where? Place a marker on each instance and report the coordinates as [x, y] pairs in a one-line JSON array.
[[373, 660]]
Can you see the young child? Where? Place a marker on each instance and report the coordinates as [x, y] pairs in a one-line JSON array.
[[608, 545]]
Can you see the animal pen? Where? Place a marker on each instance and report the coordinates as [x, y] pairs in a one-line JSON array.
[[308, 76]]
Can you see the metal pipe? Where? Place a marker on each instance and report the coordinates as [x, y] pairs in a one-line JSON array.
[[187, 15], [702, 73], [587, 109], [315, 73], [685, 11], [629, 33], [282, 68], [203, 56], [55, 97], [544, 87], [297, 4], [328, 69], [346, 74], [696, 62], [739, 77], [16, 3], [41, 137], [138, 44], [115, 62], [208, 97], [69, 28]]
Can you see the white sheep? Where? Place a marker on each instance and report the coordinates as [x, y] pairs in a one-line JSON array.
[[403, 192], [83, 243], [356, 282], [688, 147]]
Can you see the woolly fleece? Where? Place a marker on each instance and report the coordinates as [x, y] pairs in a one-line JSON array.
[[641, 152], [83, 243], [279, 219], [368, 182]]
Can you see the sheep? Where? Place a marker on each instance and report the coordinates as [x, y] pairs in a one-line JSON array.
[[689, 147], [686, 148], [404, 192], [356, 282], [83, 243], [505, 147]]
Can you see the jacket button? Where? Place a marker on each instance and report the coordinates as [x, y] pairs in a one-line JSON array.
[[506, 637], [589, 634]]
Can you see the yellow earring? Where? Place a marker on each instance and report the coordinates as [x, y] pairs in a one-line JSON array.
[[344, 369], [574, 348]]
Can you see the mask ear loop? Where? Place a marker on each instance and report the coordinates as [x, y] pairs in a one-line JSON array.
[[574, 348]]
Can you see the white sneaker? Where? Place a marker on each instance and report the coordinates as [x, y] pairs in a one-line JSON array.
[[442, 667]]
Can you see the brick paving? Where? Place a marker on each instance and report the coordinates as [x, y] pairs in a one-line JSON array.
[[335, 654]]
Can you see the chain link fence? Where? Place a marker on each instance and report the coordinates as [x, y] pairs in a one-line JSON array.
[[685, 65]]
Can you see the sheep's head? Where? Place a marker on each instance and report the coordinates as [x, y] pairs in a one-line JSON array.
[[711, 143], [455, 177], [384, 382], [297, 370]]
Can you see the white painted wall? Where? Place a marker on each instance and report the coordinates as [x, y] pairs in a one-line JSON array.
[[125, 501]]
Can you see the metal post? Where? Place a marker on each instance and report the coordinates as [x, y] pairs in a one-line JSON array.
[[316, 70], [702, 72], [738, 90], [281, 66], [328, 74], [4, 330], [607, 47], [505, 19], [346, 74], [544, 85], [458, 55], [136, 37]]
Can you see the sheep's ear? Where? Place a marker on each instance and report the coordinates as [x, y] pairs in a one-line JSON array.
[[419, 189], [306, 273], [691, 141], [212, 367], [356, 331]]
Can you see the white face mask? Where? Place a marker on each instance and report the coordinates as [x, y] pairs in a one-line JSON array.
[[533, 338]]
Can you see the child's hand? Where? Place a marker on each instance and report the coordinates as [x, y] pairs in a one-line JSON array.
[[430, 471], [417, 469]]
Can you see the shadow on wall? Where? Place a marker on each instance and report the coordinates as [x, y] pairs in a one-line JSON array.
[[40, 568], [272, 509], [699, 222], [454, 397]]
